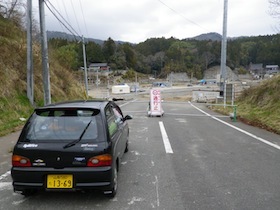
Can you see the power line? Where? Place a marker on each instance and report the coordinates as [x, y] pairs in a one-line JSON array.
[[180, 14], [84, 18], [65, 21], [61, 26], [75, 16], [69, 27], [65, 10]]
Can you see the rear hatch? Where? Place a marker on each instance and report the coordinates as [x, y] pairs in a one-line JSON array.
[[56, 156], [62, 137]]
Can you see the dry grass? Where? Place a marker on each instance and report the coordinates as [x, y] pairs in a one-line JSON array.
[[13, 101], [260, 105]]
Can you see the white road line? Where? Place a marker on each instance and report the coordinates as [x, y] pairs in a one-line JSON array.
[[3, 176], [5, 185], [165, 139], [239, 129], [157, 191], [194, 115], [127, 103]]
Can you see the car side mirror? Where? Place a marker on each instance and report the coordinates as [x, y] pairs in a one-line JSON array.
[[127, 117]]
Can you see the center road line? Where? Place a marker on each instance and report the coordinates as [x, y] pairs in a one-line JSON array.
[[165, 139], [239, 129]]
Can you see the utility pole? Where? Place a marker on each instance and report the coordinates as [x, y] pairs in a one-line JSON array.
[[30, 81], [85, 66], [45, 61], [223, 72]]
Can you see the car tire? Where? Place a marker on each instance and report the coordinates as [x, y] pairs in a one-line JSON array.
[[111, 193]]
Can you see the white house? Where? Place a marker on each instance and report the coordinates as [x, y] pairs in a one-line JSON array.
[[99, 67], [272, 69], [124, 88]]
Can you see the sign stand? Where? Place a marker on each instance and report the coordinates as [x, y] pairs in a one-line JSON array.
[[155, 108]]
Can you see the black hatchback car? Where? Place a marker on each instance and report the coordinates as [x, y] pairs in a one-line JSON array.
[[71, 146]]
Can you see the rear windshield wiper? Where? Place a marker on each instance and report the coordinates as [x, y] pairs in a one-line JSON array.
[[72, 143]]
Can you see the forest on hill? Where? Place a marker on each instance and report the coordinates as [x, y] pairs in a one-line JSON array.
[[160, 56]]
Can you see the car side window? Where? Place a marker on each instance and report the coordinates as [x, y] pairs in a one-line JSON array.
[[118, 115], [111, 121]]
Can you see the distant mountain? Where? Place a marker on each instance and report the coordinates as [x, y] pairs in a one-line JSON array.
[[63, 35], [209, 36]]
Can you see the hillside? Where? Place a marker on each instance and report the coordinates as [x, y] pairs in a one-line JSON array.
[[70, 37], [260, 105], [13, 101], [208, 36]]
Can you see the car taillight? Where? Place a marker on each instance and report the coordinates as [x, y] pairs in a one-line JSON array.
[[101, 160], [20, 161]]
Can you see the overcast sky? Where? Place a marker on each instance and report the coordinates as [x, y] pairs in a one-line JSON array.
[[136, 21]]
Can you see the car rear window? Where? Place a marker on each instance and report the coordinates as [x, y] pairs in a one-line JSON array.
[[64, 125]]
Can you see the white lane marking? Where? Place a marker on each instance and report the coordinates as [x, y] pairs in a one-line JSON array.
[[135, 199], [239, 129], [165, 139], [181, 120], [157, 191], [5, 185], [16, 203], [3, 176], [193, 115], [127, 103]]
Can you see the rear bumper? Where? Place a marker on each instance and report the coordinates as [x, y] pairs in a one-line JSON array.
[[83, 178]]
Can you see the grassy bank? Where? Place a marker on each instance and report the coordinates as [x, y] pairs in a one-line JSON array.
[[260, 105], [13, 100]]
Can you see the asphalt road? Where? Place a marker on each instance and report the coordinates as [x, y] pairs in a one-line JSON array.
[[191, 158]]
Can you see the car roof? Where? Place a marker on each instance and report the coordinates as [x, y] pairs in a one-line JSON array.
[[92, 104]]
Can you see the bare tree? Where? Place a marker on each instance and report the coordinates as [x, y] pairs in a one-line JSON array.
[[13, 10], [274, 6], [8, 7], [3, 9]]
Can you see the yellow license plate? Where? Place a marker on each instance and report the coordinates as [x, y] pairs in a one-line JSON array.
[[60, 181]]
